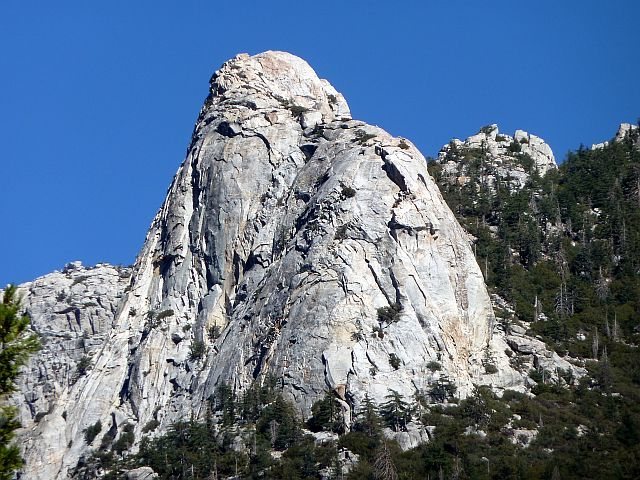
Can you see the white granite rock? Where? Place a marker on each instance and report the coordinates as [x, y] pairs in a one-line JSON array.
[[142, 473], [505, 157], [286, 236], [625, 130]]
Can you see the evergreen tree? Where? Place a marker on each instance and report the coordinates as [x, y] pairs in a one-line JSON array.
[[225, 401], [395, 412], [16, 344], [368, 418], [326, 415], [279, 422]]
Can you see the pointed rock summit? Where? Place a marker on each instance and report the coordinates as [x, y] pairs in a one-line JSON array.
[[294, 243]]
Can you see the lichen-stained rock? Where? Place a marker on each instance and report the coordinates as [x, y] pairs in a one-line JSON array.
[[285, 230]]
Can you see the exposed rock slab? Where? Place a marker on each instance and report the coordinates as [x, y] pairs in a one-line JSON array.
[[626, 131]]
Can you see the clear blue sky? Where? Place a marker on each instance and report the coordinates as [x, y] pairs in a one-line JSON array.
[[98, 99]]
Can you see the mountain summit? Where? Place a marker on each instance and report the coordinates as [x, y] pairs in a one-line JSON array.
[[294, 243]]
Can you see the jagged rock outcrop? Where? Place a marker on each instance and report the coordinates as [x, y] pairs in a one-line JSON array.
[[286, 229], [71, 311], [527, 353], [492, 157], [625, 130]]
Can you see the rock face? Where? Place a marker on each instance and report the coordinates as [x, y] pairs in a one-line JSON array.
[[505, 157], [626, 130], [73, 312], [286, 229]]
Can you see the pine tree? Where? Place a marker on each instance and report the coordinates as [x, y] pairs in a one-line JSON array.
[[368, 419], [225, 402], [395, 411], [326, 415], [16, 344], [604, 372]]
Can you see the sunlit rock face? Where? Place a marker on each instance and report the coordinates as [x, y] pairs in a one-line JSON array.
[[285, 230], [490, 157], [72, 311]]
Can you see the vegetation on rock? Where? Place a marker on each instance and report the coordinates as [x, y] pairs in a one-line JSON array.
[[16, 344]]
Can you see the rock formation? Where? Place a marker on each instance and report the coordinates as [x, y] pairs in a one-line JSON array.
[[72, 311], [293, 242], [510, 158], [625, 130]]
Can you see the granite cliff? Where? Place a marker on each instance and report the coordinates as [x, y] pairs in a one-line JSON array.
[[294, 242]]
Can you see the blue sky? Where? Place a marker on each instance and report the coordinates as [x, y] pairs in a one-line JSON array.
[[98, 99]]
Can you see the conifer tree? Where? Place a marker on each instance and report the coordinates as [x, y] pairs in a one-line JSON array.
[[395, 411], [16, 344], [368, 419], [326, 415]]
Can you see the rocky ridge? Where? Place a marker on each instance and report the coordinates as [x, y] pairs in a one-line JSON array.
[[72, 311], [508, 158], [294, 242], [625, 130]]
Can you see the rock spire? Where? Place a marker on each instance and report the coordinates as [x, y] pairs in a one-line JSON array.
[[294, 242]]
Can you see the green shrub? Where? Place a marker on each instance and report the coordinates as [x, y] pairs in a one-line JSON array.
[[79, 279], [83, 366], [434, 366], [390, 314], [357, 336], [90, 433], [298, 110], [514, 147], [510, 395], [394, 361], [363, 137], [348, 192], [341, 232], [125, 440], [164, 314], [150, 426], [197, 350], [213, 332], [377, 331], [490, 368]]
